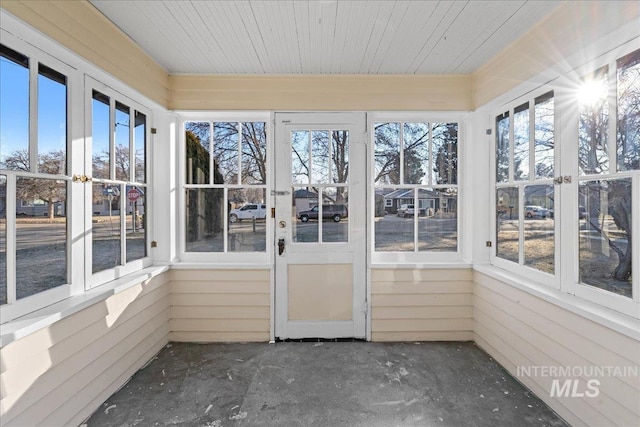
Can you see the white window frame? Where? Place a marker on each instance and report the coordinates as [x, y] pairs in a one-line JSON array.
[[232, 258], [422, 257], [548, 279], [566, 194], [96, 279], [15, 308]]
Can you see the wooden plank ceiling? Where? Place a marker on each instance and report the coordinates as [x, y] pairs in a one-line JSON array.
[[323, 37]]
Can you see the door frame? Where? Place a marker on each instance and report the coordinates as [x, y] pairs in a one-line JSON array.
[[360, 322]]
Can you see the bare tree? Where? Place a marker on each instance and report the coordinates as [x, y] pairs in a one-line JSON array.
[[50, 191]]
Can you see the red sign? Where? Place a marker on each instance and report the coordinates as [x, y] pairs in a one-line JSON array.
[[133, 195]]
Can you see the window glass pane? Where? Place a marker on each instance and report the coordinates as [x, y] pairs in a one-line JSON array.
[[305, 211], [593, 157], [394, 225], [629, 112], [41, 235], [106, 227], [507, 225], [416, 153], [198, 138], [300, 156], [52, 121], [605, 245], [521, 142], [445, 153], [539, 236], [387, 153], [100, 135], [205, 220], [544, 136], [254, 153], [14, 110], [136, 223], [438, 220], [3, 239], [502, 148], [320, 157], [335, 213], [225, 152], [140, 144], [123, 142], [340, 156], [247, 220]]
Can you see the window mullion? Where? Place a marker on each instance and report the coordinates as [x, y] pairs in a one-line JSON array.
[[10, 236], [112, 138], [635, 249], [33, 115], [612, 100], [401, 142], [416, 210], [430, 150], [132, 146], [521, 215], [512, 145]]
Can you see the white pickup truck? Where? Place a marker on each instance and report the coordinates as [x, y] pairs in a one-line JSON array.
[[249, 211]]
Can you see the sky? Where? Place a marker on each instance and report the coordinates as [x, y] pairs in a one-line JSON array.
[[14, 111]]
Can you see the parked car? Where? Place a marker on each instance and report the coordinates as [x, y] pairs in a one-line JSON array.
[[250, 211], [535, 212], [334, 212], [409, 210]]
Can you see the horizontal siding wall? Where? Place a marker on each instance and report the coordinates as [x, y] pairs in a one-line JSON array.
[[60, 374], [322, 92], [220, 305], [521, 330], [421, 304]]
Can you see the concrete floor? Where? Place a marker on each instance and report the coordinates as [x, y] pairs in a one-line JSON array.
[[324, 384]]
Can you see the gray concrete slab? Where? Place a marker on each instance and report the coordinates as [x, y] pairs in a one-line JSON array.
[[324, 384]]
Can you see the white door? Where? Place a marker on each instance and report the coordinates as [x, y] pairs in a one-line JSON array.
[[320, 201]]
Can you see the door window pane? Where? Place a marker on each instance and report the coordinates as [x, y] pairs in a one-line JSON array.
[[41, 235], [438, 220], [539, 226], [320, 157], [305, 210], [123, 142], [507, 223], [135, 224], [544, 136], [300, 156], [416, 153], [502, 148], [340, 156], [335, 214], [14, 110], [198, 140], [629, 112], [140, 146], [605, 244], [247, 220], [387, 153], [52, 121], [445, 153], [593, 156], [205, 220], [3, 239], [100, 136], [521, 142], [106, 228], [394, 225], [254, 153], [225, 153]]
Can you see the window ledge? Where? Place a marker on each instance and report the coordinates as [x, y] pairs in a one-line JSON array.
[[29, 323], [220, 266], [611, 319], [422, 266]]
